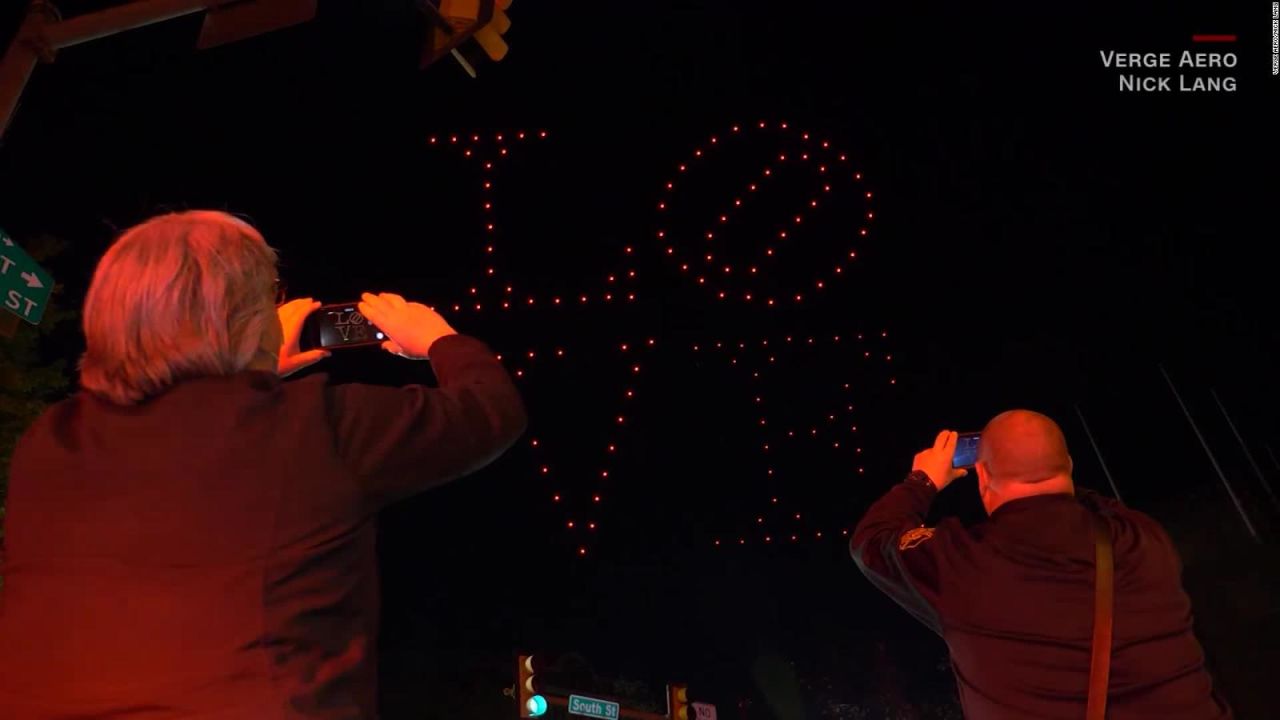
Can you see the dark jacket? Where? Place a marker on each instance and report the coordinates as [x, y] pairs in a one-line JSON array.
[[1013, 599], [209, 553]]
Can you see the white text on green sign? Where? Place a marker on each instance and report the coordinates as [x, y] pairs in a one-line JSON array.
[[24, 286], [590, 707]]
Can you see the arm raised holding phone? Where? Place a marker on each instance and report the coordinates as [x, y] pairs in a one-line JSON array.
[[412, 328], [240, 537], [402, 441]]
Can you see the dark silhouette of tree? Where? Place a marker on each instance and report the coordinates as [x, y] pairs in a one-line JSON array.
[[32, 375]]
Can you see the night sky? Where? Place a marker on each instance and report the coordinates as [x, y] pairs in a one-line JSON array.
[[1039, 239]]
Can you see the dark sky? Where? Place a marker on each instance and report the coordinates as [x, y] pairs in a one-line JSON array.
[[1041, 239]]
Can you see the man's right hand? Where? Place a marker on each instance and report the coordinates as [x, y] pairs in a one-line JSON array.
[[412, 327], [936, 461]]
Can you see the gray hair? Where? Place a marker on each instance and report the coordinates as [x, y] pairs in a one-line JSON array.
[[181, 295]]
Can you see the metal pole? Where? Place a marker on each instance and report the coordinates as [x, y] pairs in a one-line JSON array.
[[562, 701], [1273, 457], [1098, 452], [463, 62], [1256, 470], [1213, 460]]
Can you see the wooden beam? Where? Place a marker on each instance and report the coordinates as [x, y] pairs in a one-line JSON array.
[[119, 18], [42, 33], [18, 62]]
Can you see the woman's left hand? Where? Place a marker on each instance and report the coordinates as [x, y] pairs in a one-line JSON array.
[[292, 316]]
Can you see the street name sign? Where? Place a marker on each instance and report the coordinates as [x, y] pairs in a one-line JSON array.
[[24, 286], [592, 708]]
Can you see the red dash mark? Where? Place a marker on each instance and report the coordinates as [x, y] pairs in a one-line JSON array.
[[1213, 38]]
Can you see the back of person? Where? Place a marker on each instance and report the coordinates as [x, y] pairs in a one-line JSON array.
[[138, 549], [211, 553], [191, 537], [1020, 623], [1014, 597]]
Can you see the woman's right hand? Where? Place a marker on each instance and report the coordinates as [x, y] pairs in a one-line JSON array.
[[412, 327]]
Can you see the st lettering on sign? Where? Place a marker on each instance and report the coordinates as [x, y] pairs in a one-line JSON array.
[[25, 287]]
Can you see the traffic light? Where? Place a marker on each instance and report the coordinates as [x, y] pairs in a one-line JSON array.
[[678, 702], [531, 703], [453, 22], [490, 36]]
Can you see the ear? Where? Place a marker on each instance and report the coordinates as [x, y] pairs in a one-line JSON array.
[[983, 476], [273, 333]]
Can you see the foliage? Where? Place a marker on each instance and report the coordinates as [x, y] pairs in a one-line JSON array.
[[31, 377], [890, 689]]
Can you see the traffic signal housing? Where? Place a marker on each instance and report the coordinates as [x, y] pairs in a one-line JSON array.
[[489, 37], [532, 704], [453, 22], [678, 701]]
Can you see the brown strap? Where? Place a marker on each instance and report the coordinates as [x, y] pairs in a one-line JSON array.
[[1103, 599]]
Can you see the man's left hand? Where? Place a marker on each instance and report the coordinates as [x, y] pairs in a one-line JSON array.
[[936, 461], [292, 316]]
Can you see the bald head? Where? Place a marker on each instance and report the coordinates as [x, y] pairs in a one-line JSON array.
[[1024, 448]]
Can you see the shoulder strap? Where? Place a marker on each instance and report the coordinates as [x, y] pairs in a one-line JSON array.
[[1103, 600]]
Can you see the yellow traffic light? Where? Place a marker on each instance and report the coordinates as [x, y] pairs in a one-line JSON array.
[[531, 703], [490, 36], [679, 702]]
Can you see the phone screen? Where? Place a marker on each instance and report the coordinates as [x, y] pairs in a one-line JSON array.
[[966, 450], [341, 325]]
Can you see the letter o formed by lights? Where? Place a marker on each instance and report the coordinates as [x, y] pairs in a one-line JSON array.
[[830, 233]]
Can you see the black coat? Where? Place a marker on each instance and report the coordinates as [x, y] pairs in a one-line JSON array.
[[209, 553], [1013, 598]]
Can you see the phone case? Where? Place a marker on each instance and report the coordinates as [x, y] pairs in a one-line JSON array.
[[337, 326]]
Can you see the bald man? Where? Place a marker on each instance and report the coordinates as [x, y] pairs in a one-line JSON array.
[[1013, 597]]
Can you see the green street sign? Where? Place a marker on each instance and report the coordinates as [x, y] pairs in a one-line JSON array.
[[24, 286], [592, 708]]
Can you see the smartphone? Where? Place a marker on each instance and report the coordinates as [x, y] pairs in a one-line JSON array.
[[339, 325], [966, 450]]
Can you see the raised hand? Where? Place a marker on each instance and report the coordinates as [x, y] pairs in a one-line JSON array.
[[412, 327]]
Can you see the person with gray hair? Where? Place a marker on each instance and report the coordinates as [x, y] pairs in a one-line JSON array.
[[1063, 604], [190, 537]]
